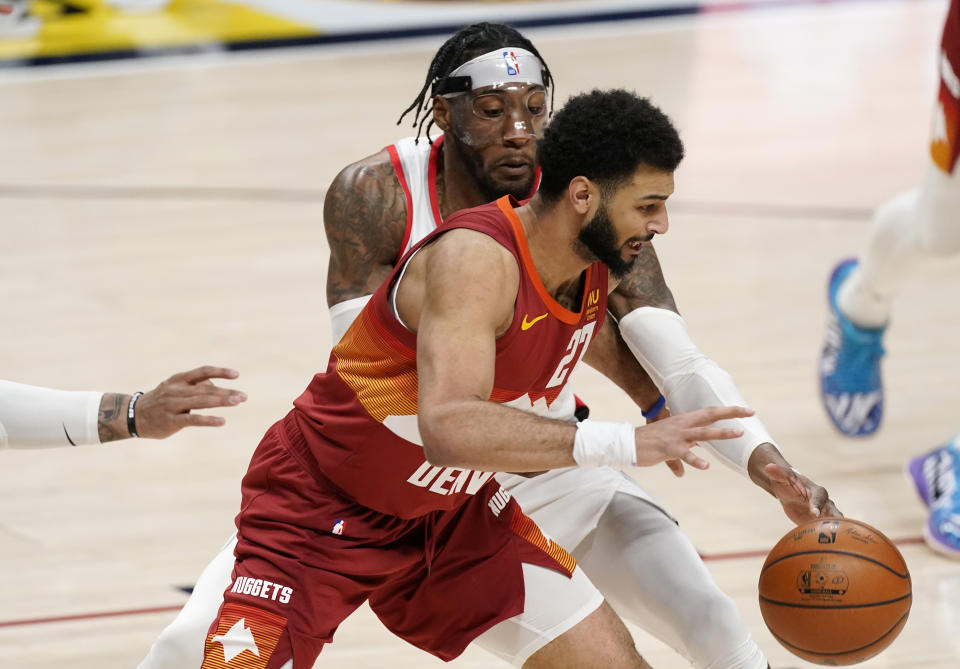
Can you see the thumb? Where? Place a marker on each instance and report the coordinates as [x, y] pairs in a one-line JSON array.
[[777, 473]]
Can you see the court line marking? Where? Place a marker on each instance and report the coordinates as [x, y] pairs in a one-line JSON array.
[[742, 555], [300, 195], [706, 557]]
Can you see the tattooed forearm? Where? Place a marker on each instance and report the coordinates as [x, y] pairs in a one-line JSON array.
[[112, 419], [364, 216], [644, 286]]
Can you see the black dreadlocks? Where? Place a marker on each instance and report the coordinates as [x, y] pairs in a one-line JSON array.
[[466, 44]]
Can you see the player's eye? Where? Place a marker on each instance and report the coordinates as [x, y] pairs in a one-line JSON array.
[[488, 107], [536, 104]]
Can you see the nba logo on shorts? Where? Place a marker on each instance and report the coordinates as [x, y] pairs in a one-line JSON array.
[[338, 527], [513, 65]]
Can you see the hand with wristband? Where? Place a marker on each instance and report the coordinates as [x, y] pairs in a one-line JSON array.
[[671, 438], [167, 409]]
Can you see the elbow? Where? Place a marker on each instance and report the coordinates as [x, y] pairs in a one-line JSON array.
[[435, 446]]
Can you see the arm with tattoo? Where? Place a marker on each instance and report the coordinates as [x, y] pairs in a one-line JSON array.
[[643, 286], [112, 417], [37, 417], [364, 215], [658, 337]]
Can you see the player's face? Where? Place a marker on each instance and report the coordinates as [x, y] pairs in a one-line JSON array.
[[496, 130], [632, 215]]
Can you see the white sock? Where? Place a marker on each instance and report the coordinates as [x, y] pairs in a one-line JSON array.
[[865, 295]]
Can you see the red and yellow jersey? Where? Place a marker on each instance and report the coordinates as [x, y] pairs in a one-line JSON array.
[[359, 417], [945, 140]]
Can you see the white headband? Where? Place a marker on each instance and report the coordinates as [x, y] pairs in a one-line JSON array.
[[501, 66]]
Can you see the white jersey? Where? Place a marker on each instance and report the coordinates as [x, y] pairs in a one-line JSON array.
[[566, 503], [416, 166]]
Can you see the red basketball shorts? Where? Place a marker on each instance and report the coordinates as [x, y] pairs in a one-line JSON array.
[[308, 556]]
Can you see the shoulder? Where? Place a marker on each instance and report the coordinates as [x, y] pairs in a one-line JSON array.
[[366, 179], [463, 255], [469, 274], [366, 205]]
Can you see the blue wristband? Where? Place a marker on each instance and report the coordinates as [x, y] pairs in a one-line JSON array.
[[655, 410]]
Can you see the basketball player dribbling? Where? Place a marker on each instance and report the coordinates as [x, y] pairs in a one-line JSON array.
[[634, 552], [911, 227], [378, 486]]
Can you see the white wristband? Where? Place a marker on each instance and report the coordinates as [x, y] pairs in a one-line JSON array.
[[600, 444]]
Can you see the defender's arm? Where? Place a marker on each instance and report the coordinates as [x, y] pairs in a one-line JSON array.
[[658, 337], [364, 217]]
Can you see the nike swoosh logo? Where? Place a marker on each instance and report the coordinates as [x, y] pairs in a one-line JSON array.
[[67, 433], [526, 325]]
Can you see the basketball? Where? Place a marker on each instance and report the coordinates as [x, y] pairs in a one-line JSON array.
[[835, 591]]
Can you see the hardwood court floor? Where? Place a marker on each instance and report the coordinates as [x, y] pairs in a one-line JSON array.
[[156, 217]]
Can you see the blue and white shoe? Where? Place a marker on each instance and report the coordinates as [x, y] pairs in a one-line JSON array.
[[936, 476], [850, 383], [923, 470]]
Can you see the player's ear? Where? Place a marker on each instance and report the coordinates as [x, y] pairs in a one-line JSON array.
[[441, 112], [581, 193]]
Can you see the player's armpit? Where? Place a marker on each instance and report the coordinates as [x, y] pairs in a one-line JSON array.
[[364, 216]]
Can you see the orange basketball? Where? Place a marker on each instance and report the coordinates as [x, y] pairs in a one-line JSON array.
[[835, 591]]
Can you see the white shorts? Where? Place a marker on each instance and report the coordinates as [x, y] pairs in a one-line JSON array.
[[552, 605], [567, 503]]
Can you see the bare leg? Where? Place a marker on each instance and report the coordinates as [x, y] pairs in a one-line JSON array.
[[599, 641]]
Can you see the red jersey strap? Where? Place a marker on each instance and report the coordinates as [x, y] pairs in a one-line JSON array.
[[432, 182]]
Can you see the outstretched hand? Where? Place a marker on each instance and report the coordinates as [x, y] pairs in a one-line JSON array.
[[672, 438], [802, 499], [166, 409], [675, 465]]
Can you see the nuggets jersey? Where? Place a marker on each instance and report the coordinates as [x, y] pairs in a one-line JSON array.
[[945, 142], [359, 417]]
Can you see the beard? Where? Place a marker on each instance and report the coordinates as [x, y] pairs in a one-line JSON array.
[[599, 238], [494, 190], [491, 189]]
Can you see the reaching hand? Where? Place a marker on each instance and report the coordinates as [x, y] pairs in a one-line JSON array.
[[675, 465], [673, 438], [166, 409], [802, 499]]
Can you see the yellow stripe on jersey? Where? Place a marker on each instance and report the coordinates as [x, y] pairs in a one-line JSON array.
[[381, 372], [525, 528], [245, 638]]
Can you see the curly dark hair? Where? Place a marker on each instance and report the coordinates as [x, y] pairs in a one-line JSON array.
[[466, 44], [605, 136]]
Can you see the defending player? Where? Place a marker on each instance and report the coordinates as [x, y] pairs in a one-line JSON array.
[[33, 417], [912, 226], [382, 205]]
